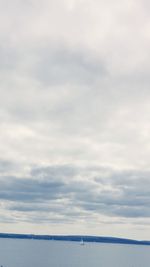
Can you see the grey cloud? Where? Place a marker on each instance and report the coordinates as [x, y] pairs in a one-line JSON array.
[[63, 66], [27, 208], [136, 212], [55, 190], [9, 58], [122, 199], [6, 166], [8, 219], [29, 189], [54, 172]]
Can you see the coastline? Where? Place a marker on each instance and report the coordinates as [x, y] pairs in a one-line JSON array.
[[76, 238]]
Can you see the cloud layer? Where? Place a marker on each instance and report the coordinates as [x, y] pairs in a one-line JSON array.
[[74, 116]]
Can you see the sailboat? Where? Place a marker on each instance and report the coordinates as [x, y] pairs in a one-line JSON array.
[[82, 242]]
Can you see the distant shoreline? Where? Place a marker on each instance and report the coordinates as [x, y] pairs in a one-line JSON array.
[[77, 238]]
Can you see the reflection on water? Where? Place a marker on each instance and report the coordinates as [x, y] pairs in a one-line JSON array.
[[37, 253]]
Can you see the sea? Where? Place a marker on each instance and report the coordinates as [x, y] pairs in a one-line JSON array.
[[51, 253]]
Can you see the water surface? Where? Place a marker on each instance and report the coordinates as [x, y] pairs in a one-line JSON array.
[[37, 253]]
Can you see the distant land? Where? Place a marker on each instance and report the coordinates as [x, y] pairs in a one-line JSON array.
[[77, 238]]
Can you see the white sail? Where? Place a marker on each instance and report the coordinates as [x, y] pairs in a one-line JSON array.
[[81, 242]]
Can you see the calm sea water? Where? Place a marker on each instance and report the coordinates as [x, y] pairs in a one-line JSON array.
[[35, 253]]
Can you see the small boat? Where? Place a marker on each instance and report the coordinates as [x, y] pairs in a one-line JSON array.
[[82, 242]]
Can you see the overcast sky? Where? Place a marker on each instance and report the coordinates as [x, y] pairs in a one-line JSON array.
[[75, 117]]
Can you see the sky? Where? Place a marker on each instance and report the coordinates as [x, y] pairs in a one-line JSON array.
[[75, 117]]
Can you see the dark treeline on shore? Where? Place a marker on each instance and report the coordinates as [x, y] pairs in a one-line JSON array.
[[77, 238]]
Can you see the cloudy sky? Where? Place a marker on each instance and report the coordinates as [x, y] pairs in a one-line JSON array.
[[75, 117]]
